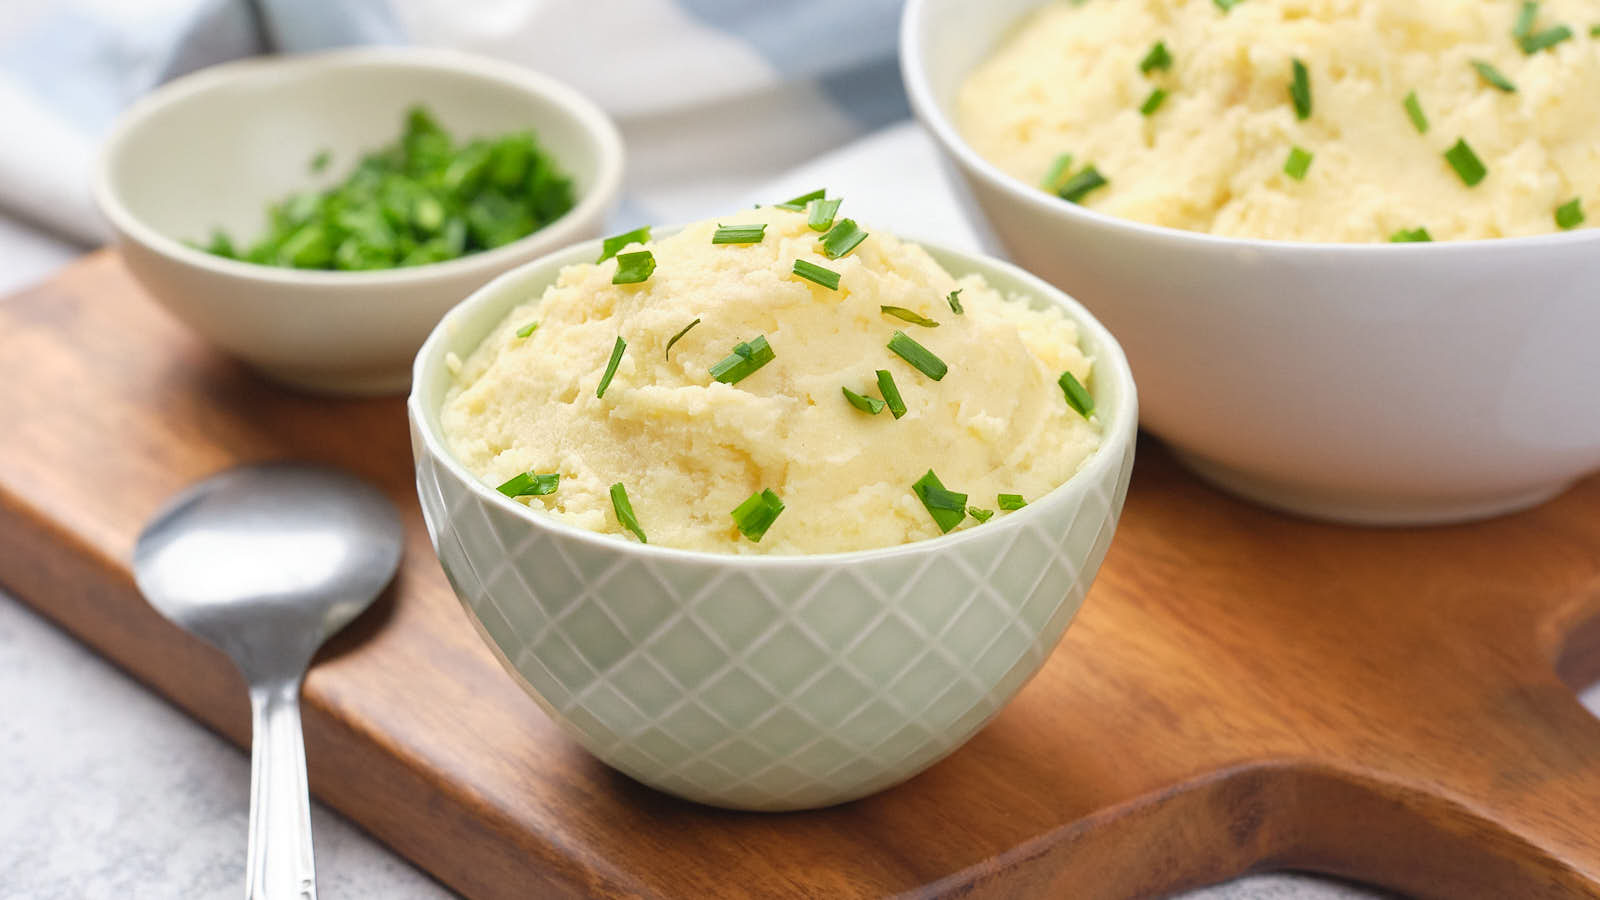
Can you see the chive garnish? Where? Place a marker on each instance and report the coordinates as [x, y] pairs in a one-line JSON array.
[[982, 515], [756, 514], [812, 272], [798, 204], [746, 358], [321, 160], [1009, 502], [1058, 171], [1466, 163], [1594, 31], [955, 301], [1300, 91], [1078, 397], [1411, 236], [675, 337], [907, 315], [610, 246], [842, 238], [1545, 39], [869, 405], [527, 329], [891, 394], [1226, 5], [1157, 58], [1298, 163], [1080, 184], [530, 484], [920, 357], [611, 366], [820, 213], [946, 507], [739, 234], [633, 268], [1570, 214], [1525, 17], [1414, 111], [624, 511], [1493, 77], [1152, 102]]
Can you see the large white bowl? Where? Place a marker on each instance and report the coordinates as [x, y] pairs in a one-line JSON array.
[[768, 682], [214, 148], [1383, 383]]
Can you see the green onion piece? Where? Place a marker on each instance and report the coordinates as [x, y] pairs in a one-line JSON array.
[[530, 484], [955, 301], [1010, 502], [1466, 163], [920, 357], [1414, 110], [527, 329], [1570, 214], [1594, 31], [747, 357], [1080, 184], [1157, 58], [842, 238], [820, 213], [982, 515], [1411, 236], [946, 507], [755, 515], [1298, 163], [611, 366], [1525, 17], [798, 204], [321, 160], [891, 393], [633, 268], [1300, 91], [906, 315], [1226, 5], [1058, 171], [1152, 102], [680, 334], [810, 271], [869, 405], [1545, 39], [624, 511], [610, 246], [1493, 77], [739, 234], [1077, 396]]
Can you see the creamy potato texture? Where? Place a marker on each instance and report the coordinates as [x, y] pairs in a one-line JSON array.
[[690, 449], [1211, 157]]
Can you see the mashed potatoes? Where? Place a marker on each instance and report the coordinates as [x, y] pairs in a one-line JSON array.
[[689, 449], [1211, 157]]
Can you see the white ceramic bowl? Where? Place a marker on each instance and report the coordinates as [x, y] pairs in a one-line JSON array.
[[1382, 383], [214, 148], [777, 682]]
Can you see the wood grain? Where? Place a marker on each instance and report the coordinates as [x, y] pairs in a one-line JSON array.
[[1242, 691]]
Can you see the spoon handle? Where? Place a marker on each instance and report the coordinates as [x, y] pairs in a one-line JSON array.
[[281, 866]]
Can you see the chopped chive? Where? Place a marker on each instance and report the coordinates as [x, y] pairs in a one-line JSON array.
[[1300, 91], [869, 405], [611, 366], [680, 334], [1226, 5], [891, 393], [906, 315], [946, 507], [798, 204], [1545, 39], [1058, 171], [1594, 31], [624, 511], [1298, 163], [812, 272], [635, 267], [756, 514], [1570, 214], [610, 246], [1411, 236], [1157, 58], [527, 329], [530, 484], [820, 213], [1493, 77], [1466, 163], [1077, 396], [746, 358], [739, 234], [1152, 102], [955, 301], [982, 515], [1080, 184], [842, 238], [1414, 110], [1009, 502], [1525, 17], [920, 357], [321, 160]]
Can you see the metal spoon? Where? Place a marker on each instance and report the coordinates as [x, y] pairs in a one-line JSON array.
[[266, 562]]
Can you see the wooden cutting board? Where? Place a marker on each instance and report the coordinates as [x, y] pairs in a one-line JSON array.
[[1242, 690]]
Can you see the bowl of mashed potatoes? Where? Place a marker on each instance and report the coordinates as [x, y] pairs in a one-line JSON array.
[[773, 511], [1348, 244]]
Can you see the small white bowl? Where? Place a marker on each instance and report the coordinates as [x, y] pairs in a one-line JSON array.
[[768, 682], [1369, 383], [214, 148]]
